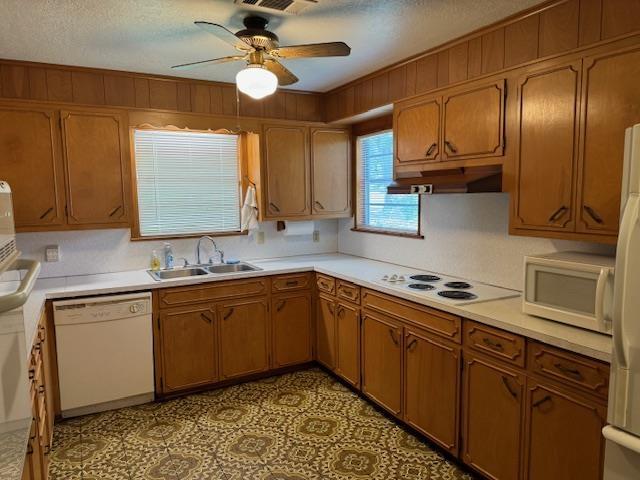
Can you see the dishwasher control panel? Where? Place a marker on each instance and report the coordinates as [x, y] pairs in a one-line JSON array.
[[101, 309]]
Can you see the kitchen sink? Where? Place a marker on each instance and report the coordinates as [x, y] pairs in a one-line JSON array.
[[232, 268], [177, 273]]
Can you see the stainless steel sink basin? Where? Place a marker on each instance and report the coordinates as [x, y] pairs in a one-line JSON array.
[[232, 268], [177, 273]]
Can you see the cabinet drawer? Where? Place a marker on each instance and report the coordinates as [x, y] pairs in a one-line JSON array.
[[497, 343], [348, 291], [569, 369], [434, 321], [326, 284], [286, 283], [213, 291]]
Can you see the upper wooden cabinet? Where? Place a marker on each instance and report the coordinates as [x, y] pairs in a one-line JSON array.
[[306, 172], [473, 125], [417, 131], [330, 172], [95, 160], [32, 165]]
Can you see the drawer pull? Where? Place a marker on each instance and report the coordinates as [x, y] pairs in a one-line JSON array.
[[593, 214], [274, 206], [557, 214], [412, 344], [291, 283], [32, 373], [206, 317], [545, 399], [228, 314], [492, 344], [572, 372], [507, 385], [451, 146], [46, 213], [393, 337], [340, 311], [41, 389], [281, 305], [115, 210], [431, 149], [347, 292], [331, 309], [319, 205]]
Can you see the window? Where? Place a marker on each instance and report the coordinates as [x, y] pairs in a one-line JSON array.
[[187, 182], [377, 210]]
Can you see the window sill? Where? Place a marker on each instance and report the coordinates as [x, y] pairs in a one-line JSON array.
[[138, 238], [392, 233]]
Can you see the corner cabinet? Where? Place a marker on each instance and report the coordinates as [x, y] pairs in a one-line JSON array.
[[305, 172]]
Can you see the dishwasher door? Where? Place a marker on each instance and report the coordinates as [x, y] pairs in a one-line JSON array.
[[105, 352]]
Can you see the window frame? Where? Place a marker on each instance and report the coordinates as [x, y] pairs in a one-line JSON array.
[[135, 220], [362, 133]]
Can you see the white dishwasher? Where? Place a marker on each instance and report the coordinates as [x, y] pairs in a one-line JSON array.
[[105, 352]]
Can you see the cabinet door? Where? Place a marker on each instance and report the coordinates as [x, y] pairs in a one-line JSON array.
[[493, 411], [611, 92], [563, 435], [547, 148], [432, 386], [326, 331], [382, 361], [32, 165], [189, 353], [331, 172], [95, 159], [348, 343], [291, 329], [417, 132], [474, 123], [286, 157], [244, 337]]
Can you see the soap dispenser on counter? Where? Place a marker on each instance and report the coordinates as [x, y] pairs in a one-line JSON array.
[[168, 256]]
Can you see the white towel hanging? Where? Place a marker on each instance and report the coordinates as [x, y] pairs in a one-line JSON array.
[[249, 212]]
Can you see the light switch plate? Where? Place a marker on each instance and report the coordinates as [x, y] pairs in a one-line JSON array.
[[259, 237], [52, 253]]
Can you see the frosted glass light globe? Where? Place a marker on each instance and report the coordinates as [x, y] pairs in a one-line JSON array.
[[256, 81]]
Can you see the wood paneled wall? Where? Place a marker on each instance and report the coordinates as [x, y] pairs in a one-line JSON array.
[[553, 28], [76, 85]]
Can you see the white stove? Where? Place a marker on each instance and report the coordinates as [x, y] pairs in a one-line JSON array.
[[444, 289]]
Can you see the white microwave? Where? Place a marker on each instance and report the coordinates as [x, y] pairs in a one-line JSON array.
[[570, 287]]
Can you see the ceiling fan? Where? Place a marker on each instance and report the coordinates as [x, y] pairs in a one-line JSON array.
[[261, 49]]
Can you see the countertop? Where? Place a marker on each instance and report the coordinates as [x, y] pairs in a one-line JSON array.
[[505, 313]]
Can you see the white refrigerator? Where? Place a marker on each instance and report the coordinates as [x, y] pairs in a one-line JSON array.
[[622, 455]]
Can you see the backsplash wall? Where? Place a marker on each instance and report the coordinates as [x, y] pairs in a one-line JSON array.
[[103, 251], [465, 235]]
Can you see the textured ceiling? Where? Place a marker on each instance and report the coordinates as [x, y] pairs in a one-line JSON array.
[[151, 35]]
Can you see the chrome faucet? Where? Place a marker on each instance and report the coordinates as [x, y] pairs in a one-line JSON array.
[[215, 249]]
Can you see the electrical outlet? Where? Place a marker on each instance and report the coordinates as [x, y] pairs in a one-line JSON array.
[[260, 237], [316, 235], [52, 253]]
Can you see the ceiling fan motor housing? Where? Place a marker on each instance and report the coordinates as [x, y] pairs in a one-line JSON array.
[[256, 34]]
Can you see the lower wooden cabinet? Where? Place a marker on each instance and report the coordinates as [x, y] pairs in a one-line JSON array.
[[382, 361], [188, 337], [563, 435], [348, 343], [432, 387], [326, 331], [492, 418], [244, 337], [291, 319]]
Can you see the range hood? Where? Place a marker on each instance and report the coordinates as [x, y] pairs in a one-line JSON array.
[[478, 179]]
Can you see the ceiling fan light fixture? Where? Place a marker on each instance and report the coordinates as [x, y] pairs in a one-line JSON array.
[[256, 81]]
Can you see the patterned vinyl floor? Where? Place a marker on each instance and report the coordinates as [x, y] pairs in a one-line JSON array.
[[298, 426]]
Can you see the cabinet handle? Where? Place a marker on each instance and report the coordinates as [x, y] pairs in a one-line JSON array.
[[274, 206], [46, 213], [340, 311], [557, 214], [431, 149], [113, 212], [393, 337], [507, 385], [593, 214], [320, 205], [451, 146], [41, 389], [281, 305], [291, 283], [206, 317], [412, 344], [492, 344], [228, 314], [546, 398], [572, 372], [32, 373], [331, 309]]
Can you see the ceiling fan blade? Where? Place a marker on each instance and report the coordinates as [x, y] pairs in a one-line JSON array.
[[225, 34], [285, 77], [204, 63], [332, 49]]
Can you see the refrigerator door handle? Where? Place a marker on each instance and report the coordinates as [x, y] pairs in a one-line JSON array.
[[621, 438]]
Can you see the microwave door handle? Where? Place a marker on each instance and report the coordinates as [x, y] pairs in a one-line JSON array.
[[600, 289], [19, 297]]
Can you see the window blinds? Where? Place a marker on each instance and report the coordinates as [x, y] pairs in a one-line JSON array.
[[187, 182], [376, 208]]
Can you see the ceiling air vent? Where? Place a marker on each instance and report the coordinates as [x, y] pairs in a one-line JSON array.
[[286, 6]]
